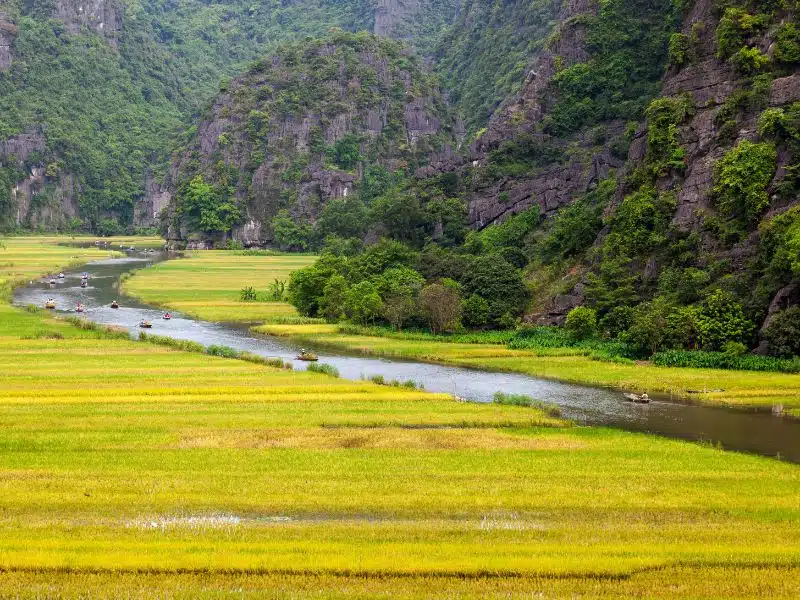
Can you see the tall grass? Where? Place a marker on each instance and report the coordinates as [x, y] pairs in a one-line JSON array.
[[548, 408], [323, 368], [721, 360], [213, 350]]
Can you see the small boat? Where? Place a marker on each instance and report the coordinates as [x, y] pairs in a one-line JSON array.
[[145, 324], [167, 316], [84, 275], [50, 304], [52, 282], [84, 283], [61, 276], [79, 308], [643, 399], [307, 356], [115, 304]]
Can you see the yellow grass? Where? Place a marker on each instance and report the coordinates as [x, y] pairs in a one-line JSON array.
[[129, 469]]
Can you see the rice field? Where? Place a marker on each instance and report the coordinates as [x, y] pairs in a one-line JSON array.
[[207, 285], [129, 469]]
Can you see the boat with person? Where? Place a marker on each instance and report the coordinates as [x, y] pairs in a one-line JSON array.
[[50, 304], [114, 304], [167, 316], [145, 324], [80, 308], [638, 399], [61, 276], [307, 356], [84, 283]]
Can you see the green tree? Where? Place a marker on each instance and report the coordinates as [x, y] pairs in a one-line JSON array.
[[441, 306], [363, 303], [208, 211], [721, 319], [475, 311], [307, 285], [334, 298], [288, 234], [783, 333], [581, 323], [499, 283]]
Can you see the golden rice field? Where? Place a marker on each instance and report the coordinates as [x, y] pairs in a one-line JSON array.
[[206, 284], [742, 389], [134, 470]]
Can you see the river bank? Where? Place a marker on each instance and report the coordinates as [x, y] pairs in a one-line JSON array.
[[748, 390]]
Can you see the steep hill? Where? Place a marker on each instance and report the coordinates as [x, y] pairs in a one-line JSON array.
[[309, 124], [92, 93]]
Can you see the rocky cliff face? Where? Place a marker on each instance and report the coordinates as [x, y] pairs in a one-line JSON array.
[[300, 128], [39, 200], [582, 162], [8, 32], [99, 16]]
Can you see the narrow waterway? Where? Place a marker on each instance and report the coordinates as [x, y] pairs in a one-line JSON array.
[[760, 433]]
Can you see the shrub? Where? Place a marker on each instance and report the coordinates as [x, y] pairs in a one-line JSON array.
[[248, 294], [787, 43], [679, 47], [741, 178], [581, 323], [323, 368], [749, 61], [222, 351], [548, 408], [163, 340], [783, 333]]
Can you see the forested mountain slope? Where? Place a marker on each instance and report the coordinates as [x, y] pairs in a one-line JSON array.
[[289, 141], [93, 91]]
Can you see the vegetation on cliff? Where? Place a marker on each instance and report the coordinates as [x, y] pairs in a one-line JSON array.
[[289, 143]]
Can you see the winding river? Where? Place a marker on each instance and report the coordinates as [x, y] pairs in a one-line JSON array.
[[760, 433]]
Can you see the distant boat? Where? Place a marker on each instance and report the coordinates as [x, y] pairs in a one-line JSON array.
[[50, 304], [115, 304], [52, 282], [84, 275], [167, 316], [84, 283], [643, 399], [145, 324], [61, 276], [79, 308], [307, 356]]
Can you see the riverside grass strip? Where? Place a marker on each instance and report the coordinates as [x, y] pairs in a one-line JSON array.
[[207, 284], [741, 389], [142, 470]]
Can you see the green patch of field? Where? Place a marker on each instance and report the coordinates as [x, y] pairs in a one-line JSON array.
[[133, 469], [207, 285]]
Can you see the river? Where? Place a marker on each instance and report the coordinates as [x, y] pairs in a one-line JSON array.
[[755, 432]]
